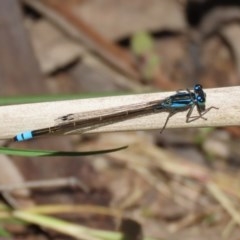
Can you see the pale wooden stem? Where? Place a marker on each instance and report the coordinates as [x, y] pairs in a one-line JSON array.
[[18, 118]]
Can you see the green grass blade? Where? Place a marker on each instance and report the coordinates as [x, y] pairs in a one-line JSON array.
[[70, 229], [47, 153], [49, 98]]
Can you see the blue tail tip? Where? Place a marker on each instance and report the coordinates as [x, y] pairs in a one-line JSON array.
[[23, 136]]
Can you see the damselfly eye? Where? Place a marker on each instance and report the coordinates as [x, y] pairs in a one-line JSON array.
[[199, 99], [197, 87]]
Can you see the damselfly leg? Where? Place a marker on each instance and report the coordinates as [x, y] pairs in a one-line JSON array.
[[166, 122], [194, 118]]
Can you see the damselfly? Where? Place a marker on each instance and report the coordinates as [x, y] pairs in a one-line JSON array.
[[182, 100]]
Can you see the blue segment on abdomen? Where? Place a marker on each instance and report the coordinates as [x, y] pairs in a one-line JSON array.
[[179, 105], [24, 136]]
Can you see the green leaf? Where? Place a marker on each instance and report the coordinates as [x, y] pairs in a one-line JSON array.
[[47, 153], [142, 43]]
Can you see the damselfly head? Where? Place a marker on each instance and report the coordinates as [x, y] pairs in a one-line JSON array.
[[200, 97]]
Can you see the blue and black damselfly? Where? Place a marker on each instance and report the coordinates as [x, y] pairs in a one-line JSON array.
[[183, 100]]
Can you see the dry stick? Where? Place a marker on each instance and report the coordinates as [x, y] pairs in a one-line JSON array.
[[224, 201], [75, 27], [49, 183], [18, 118]]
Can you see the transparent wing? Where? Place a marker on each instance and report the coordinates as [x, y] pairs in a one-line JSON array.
[[83, 122]]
